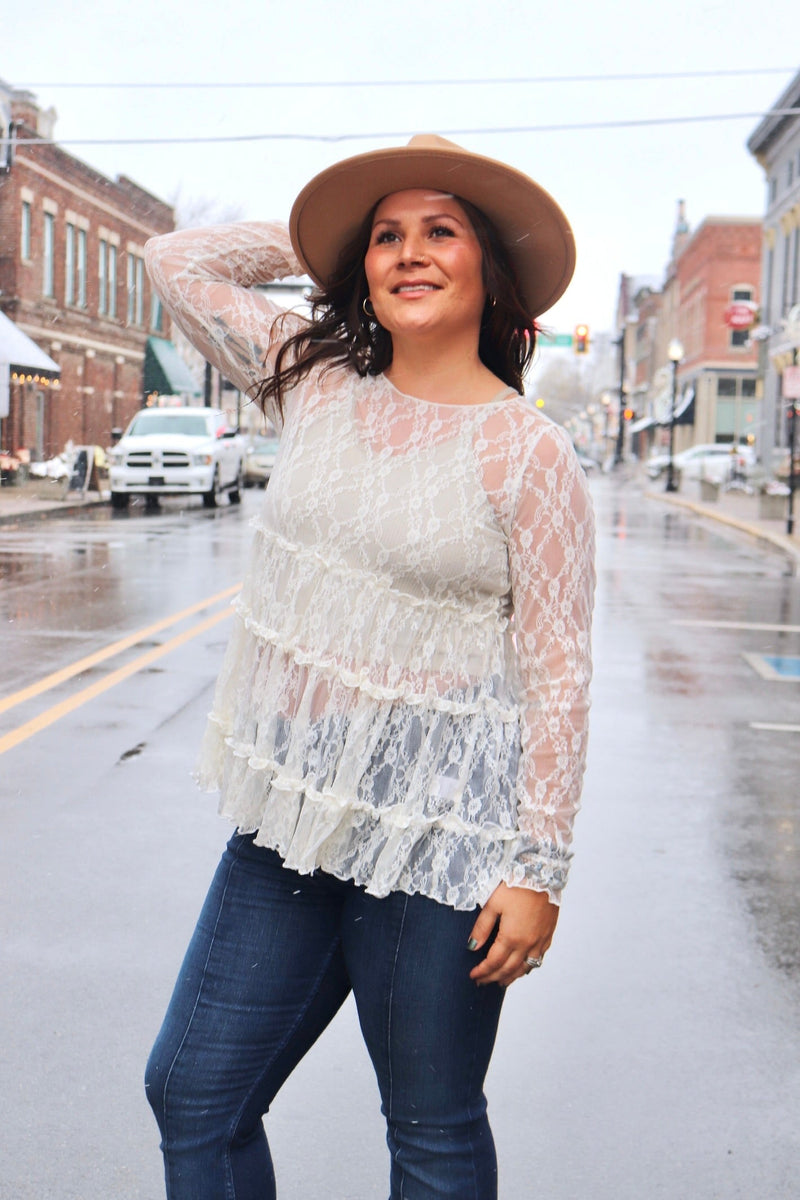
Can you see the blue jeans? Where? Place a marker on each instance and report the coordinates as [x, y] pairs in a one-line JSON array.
[[273, 958]]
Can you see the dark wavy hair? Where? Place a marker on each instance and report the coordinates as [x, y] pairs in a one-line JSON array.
[[340, 332]]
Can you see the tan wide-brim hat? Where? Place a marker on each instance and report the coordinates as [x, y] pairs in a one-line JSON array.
[[329, 211]]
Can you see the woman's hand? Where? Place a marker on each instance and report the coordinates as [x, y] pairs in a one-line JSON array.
[[527, 921]]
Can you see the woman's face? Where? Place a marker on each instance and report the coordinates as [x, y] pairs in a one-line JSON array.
[[424, 265]]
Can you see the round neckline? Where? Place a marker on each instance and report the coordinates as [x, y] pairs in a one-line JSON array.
[[500, 397]]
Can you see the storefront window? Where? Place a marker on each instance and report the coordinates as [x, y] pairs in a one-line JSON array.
[[726, 421], [736, 415]]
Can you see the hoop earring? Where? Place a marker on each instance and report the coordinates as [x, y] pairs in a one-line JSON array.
[[369, 315]]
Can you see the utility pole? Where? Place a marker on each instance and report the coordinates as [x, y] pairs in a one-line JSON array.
[[793, 401]]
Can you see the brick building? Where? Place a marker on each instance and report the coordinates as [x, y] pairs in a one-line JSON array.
[[72, 279], [711, 268], [720, 265]]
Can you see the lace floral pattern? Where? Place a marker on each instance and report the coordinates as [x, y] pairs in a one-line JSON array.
[[404, 698]]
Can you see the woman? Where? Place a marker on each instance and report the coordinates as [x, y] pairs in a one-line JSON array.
[[399, 727]]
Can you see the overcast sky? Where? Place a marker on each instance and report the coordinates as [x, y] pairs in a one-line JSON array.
[[619, 186]]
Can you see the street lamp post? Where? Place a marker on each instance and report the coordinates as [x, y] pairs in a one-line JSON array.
[[674, 354], [793, 414], [619, 449]]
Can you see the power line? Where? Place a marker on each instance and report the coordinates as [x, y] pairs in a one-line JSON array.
[[205, 139], [622, 77]]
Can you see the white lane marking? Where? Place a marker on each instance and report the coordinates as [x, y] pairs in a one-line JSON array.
[[774, 727]]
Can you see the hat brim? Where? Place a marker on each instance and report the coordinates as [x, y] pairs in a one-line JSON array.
[[331, 208]]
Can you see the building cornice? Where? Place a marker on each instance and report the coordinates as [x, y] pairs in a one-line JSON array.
[[748, 365], [41, 335], [774, 122], [87, 196]]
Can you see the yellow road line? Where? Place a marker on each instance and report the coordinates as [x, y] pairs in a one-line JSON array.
[[102, 685], [83, 664]]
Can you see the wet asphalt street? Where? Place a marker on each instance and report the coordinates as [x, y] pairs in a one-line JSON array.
[[656, 1054]]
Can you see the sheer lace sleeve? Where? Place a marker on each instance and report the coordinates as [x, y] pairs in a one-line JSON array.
[[207, 279], [551, 552]]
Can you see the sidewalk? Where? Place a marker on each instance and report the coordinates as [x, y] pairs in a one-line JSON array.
[[736, 509], [40, 498]]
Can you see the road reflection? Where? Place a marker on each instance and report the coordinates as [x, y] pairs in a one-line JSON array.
[[686, 603]]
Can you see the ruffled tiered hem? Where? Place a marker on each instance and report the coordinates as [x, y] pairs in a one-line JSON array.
[[383, 850], [394, 796], [313, 823]]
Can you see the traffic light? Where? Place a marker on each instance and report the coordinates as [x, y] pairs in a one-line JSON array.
[[580, 340]]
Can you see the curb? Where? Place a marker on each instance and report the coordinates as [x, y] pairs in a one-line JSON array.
[[40, 514], [780, 541]]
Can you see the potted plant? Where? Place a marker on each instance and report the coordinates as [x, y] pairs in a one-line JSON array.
[[709, 489]]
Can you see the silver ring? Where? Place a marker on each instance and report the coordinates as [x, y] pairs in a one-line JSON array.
[[532, 963]]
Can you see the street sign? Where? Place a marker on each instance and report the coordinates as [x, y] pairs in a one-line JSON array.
[[554, 339]]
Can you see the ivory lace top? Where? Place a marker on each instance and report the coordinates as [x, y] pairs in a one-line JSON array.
[[404, 698]]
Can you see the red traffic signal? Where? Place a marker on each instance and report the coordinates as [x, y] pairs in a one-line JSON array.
[[580, 339]]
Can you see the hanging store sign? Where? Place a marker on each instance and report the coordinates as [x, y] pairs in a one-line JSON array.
[[791, 383], [740, 315]]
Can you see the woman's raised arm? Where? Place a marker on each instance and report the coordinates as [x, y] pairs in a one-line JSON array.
[[208, 280]]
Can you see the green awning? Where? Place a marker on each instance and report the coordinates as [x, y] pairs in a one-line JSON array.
[[165, 372]]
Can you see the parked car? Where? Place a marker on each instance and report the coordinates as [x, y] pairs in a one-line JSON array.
[[259, 459], [177, 452], [715, 461]]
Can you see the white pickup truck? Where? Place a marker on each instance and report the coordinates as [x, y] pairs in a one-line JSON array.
[[177, 452]]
